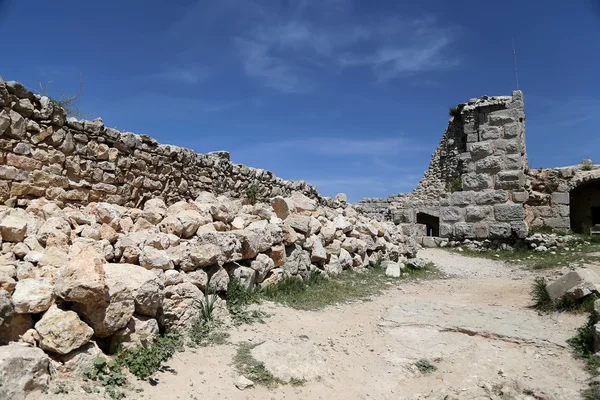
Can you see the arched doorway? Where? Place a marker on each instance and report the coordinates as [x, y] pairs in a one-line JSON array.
[[431, 222], [585, 206]]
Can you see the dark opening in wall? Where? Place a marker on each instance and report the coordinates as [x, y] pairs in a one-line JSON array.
[[585, 207], [432, 223]]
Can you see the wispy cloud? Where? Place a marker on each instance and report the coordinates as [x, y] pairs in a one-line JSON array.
[[284, 52], [273, 71]]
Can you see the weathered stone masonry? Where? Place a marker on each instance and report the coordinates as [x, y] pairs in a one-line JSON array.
[[45, 154], [484, 147]]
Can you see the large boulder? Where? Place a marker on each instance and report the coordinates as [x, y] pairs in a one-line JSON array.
[[106, 319], [22, 370], [228, 242], [282, 207], [83, 280], [181, 306], [33, 296], [300, 223], [341, 223], [303, 203], [62, 331], [13, 225], [190, 257], [51, 226], [297, 261], [191, 220], [152, 258], [145, 287]]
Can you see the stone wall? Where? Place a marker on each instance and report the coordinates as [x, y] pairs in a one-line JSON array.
[[490, 204], [484, 148], [45, 154], [551, 191]]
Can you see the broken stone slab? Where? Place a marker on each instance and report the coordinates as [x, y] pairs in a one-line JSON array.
[[22, 369], [286, 361], [576, 284]]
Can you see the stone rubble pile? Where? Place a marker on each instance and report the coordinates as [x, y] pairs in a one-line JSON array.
[[78, 280]]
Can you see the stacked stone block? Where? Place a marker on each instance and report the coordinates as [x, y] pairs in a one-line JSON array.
[[490, 204]]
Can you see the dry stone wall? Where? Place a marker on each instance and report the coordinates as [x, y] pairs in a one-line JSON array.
[[45, 154]]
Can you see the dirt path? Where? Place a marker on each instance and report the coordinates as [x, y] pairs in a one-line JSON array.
[[475, 327]]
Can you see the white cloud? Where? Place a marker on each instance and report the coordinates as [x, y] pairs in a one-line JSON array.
[[283, 52]]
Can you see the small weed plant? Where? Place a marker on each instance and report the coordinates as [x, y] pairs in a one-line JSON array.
[[109, 374], [207, 333], [454, 185], [252, 194], [143, 361], [208, 306], [425, 367], [587, 164], [238, 299]]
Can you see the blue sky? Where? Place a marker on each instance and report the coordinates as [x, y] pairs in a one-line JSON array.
[[350, 95]]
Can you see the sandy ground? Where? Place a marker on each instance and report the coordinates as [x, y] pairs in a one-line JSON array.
[[475, 327]]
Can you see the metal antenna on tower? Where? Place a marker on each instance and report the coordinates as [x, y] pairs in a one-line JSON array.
[[515, 57]]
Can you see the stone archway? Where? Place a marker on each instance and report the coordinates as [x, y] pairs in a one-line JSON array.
[[584, 201]]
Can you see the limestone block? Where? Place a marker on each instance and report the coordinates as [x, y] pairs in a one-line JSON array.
[[477, 213], [446, 230], [520, 197], [519, 229], [509, 212], [481, 230], [489, 164], [560, 198], [511, 130], [513, 161], [490, 132], [461, 198], [474, 181], [500, 118], [480, 149], [451, 214], [464, 230], [509, 180], [558, 222], [501, 230]]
